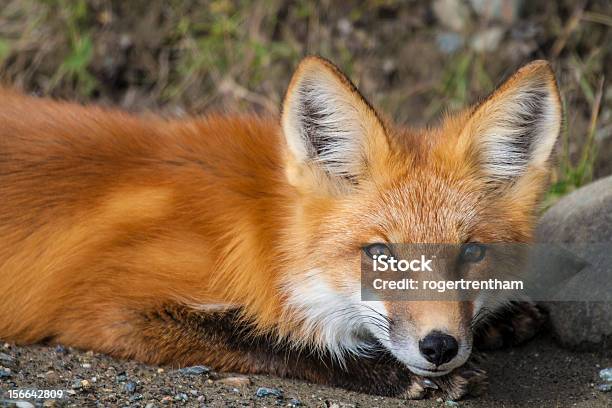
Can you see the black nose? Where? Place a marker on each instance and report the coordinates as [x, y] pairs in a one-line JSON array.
[[438, 348]]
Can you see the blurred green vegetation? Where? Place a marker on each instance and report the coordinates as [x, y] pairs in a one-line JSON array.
[[192, 56]]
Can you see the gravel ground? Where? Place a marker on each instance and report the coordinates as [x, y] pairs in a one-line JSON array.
[[539, 374]]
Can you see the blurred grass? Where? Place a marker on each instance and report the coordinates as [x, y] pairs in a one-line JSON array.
[[191, 56], [570, 175], [74, 66]]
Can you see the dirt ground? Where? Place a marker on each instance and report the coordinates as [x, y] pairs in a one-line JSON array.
[[539, 374]]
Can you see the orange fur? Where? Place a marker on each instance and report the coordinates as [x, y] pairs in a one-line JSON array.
[[107, 215]]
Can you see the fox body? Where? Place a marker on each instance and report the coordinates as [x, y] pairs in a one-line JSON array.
[[235, 241]]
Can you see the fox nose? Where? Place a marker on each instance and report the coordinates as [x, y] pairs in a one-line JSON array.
[[438, 348]]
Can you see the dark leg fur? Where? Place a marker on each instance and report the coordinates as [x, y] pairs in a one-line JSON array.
[[514, 326], [180, 337]]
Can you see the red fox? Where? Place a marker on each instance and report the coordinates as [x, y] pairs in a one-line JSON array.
[[234, 241]]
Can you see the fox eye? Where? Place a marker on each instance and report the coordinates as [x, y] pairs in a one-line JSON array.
[[472, 252], [377, 249]]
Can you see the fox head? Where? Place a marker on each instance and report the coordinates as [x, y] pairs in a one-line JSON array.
[[362, 181]]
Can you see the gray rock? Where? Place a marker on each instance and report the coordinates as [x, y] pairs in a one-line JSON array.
[[267, 392], [195, 370], [61, 349], [181, 396], [606, 374], [584, 220], [79, 384], [7, 360], [604, 387], [130, 387], [5, 372]]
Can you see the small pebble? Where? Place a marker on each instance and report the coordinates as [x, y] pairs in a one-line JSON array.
[[265, 392], [606, 374], [195, 370], [427, 383], [60, 349], [451, 403], [23, 404], [86, 365], [121, 377], [181, 396], [150, 405], [604, 387], [130, 387], [78, 384], [6, 359], [5, 372], [294, 402]]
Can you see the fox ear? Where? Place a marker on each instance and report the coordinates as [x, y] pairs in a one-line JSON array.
[[516, 127], [328, 125]]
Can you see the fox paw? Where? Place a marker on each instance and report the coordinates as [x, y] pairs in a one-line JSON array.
[[467, 380], [464, 381], [519, 323], [417, 389]]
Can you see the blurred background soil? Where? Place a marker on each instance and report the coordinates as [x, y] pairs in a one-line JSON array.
[[414, 60]]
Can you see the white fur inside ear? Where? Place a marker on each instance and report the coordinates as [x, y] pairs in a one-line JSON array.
[[324, 124], [518, 130]]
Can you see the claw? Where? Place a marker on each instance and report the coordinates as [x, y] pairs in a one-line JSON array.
[[427, 383]]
